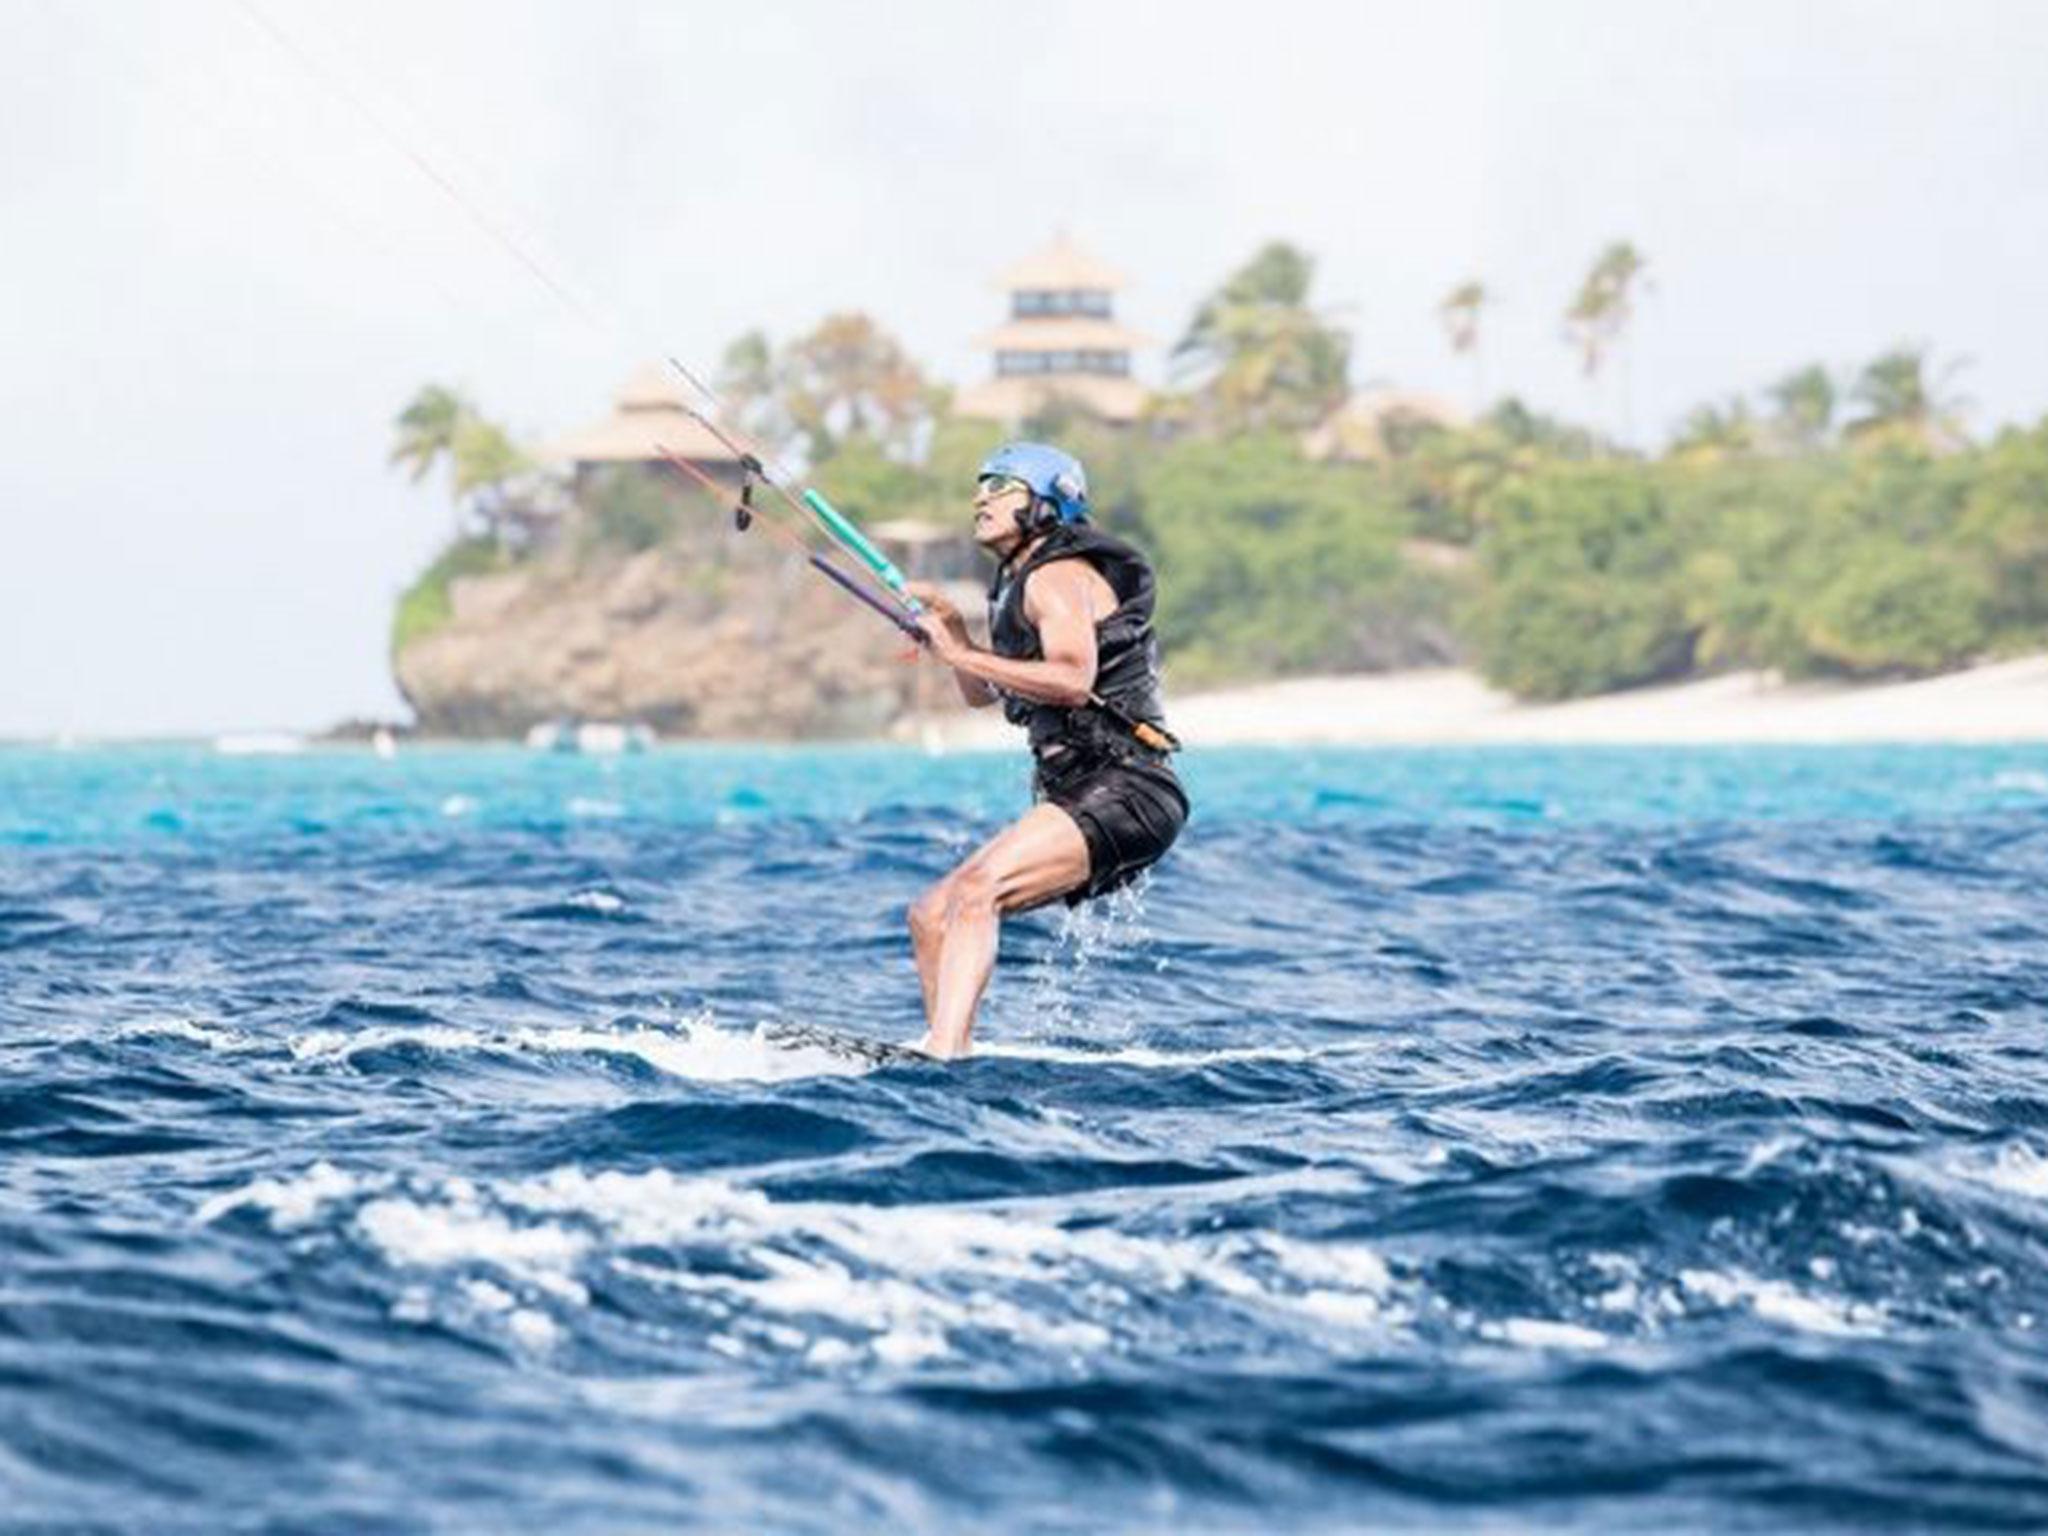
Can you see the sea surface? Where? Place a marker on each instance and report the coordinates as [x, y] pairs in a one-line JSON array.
[[1490, 1140]]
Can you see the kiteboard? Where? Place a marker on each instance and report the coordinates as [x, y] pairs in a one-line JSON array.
[[788, 1035]]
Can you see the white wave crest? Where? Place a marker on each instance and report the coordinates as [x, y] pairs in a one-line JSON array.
[[829, 1283], [1836, 1317], [2018, 1169], [696, 1048], [289, 1203], [1542, 1333], [214, 1036], [1145, 1056], [2025, 780]]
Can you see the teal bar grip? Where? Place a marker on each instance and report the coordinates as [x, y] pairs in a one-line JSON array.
[[843, 530]]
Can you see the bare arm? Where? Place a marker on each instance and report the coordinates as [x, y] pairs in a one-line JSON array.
[[1062, 600], [939, 607]]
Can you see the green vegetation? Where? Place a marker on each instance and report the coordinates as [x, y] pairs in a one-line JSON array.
[[1858, 561], [485, 467], [424, 607], [628, 509], [1258, 356], [1580, 589], [1819, 526], [1599, 313], [1267, 563]]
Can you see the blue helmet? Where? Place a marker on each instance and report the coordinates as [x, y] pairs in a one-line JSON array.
[[1057, 479]]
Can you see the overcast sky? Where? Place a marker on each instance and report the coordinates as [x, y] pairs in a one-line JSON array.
[[219, 278]]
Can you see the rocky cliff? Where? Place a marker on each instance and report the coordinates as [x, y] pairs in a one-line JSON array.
[[743, 642]]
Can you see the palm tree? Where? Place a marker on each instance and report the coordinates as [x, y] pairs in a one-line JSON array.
[[439, 424], [427, 428], [484, 457], [1263, 357], [1459, 314], [1901, 403], [1599, 314], [1605, 303], [1805, 401]]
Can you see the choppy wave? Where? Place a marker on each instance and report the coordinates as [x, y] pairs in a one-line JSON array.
[[1521, 1141]]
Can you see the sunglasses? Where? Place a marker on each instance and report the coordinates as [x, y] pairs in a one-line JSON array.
[[996, 485]]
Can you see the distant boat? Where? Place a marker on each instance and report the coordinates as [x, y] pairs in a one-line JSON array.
[[259, 744], [383, 743], [595, 738]]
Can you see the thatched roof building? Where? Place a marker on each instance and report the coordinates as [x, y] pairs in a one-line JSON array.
[[647, 417]]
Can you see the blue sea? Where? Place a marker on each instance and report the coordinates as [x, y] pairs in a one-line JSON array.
[[1490, 1140]]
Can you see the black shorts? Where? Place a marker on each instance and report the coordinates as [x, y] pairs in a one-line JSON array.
[[1129, 814]]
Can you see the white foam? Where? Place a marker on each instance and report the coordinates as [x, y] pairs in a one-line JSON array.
[[486, 1297], [696, 1049], [1542, 1333], [2018, 1169], [1350, 1268], [327, 1044], [535, 1329], [1623, 1296], [2026, 780], [1781, 1303], [832, 1282], [1144, 1056], [459, 805], [434, 1236], [1624, 1292], [529, 1326], [290, 1203], [200, 1032], [828, 1353]]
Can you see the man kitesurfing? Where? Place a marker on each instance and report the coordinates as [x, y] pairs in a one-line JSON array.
[[1071, 658]]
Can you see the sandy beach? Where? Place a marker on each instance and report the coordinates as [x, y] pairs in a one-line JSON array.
[[2001, 701]]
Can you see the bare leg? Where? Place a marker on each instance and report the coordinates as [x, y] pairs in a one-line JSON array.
[[964, 968], [927, 934], [1041, 856]]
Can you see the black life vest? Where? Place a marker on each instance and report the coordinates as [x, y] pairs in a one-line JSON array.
[[1126, 651]]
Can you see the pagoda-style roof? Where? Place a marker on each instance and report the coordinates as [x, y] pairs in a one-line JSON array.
[[1064, 333], [1061, 267], [1014, 399], [648, 416]]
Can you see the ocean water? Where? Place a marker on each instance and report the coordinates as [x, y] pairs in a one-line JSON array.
[[1483, 1140]]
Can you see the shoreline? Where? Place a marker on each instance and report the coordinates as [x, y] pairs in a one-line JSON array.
[[1996, 702]]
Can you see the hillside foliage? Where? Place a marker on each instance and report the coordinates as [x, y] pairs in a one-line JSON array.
[[1825, 526]]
